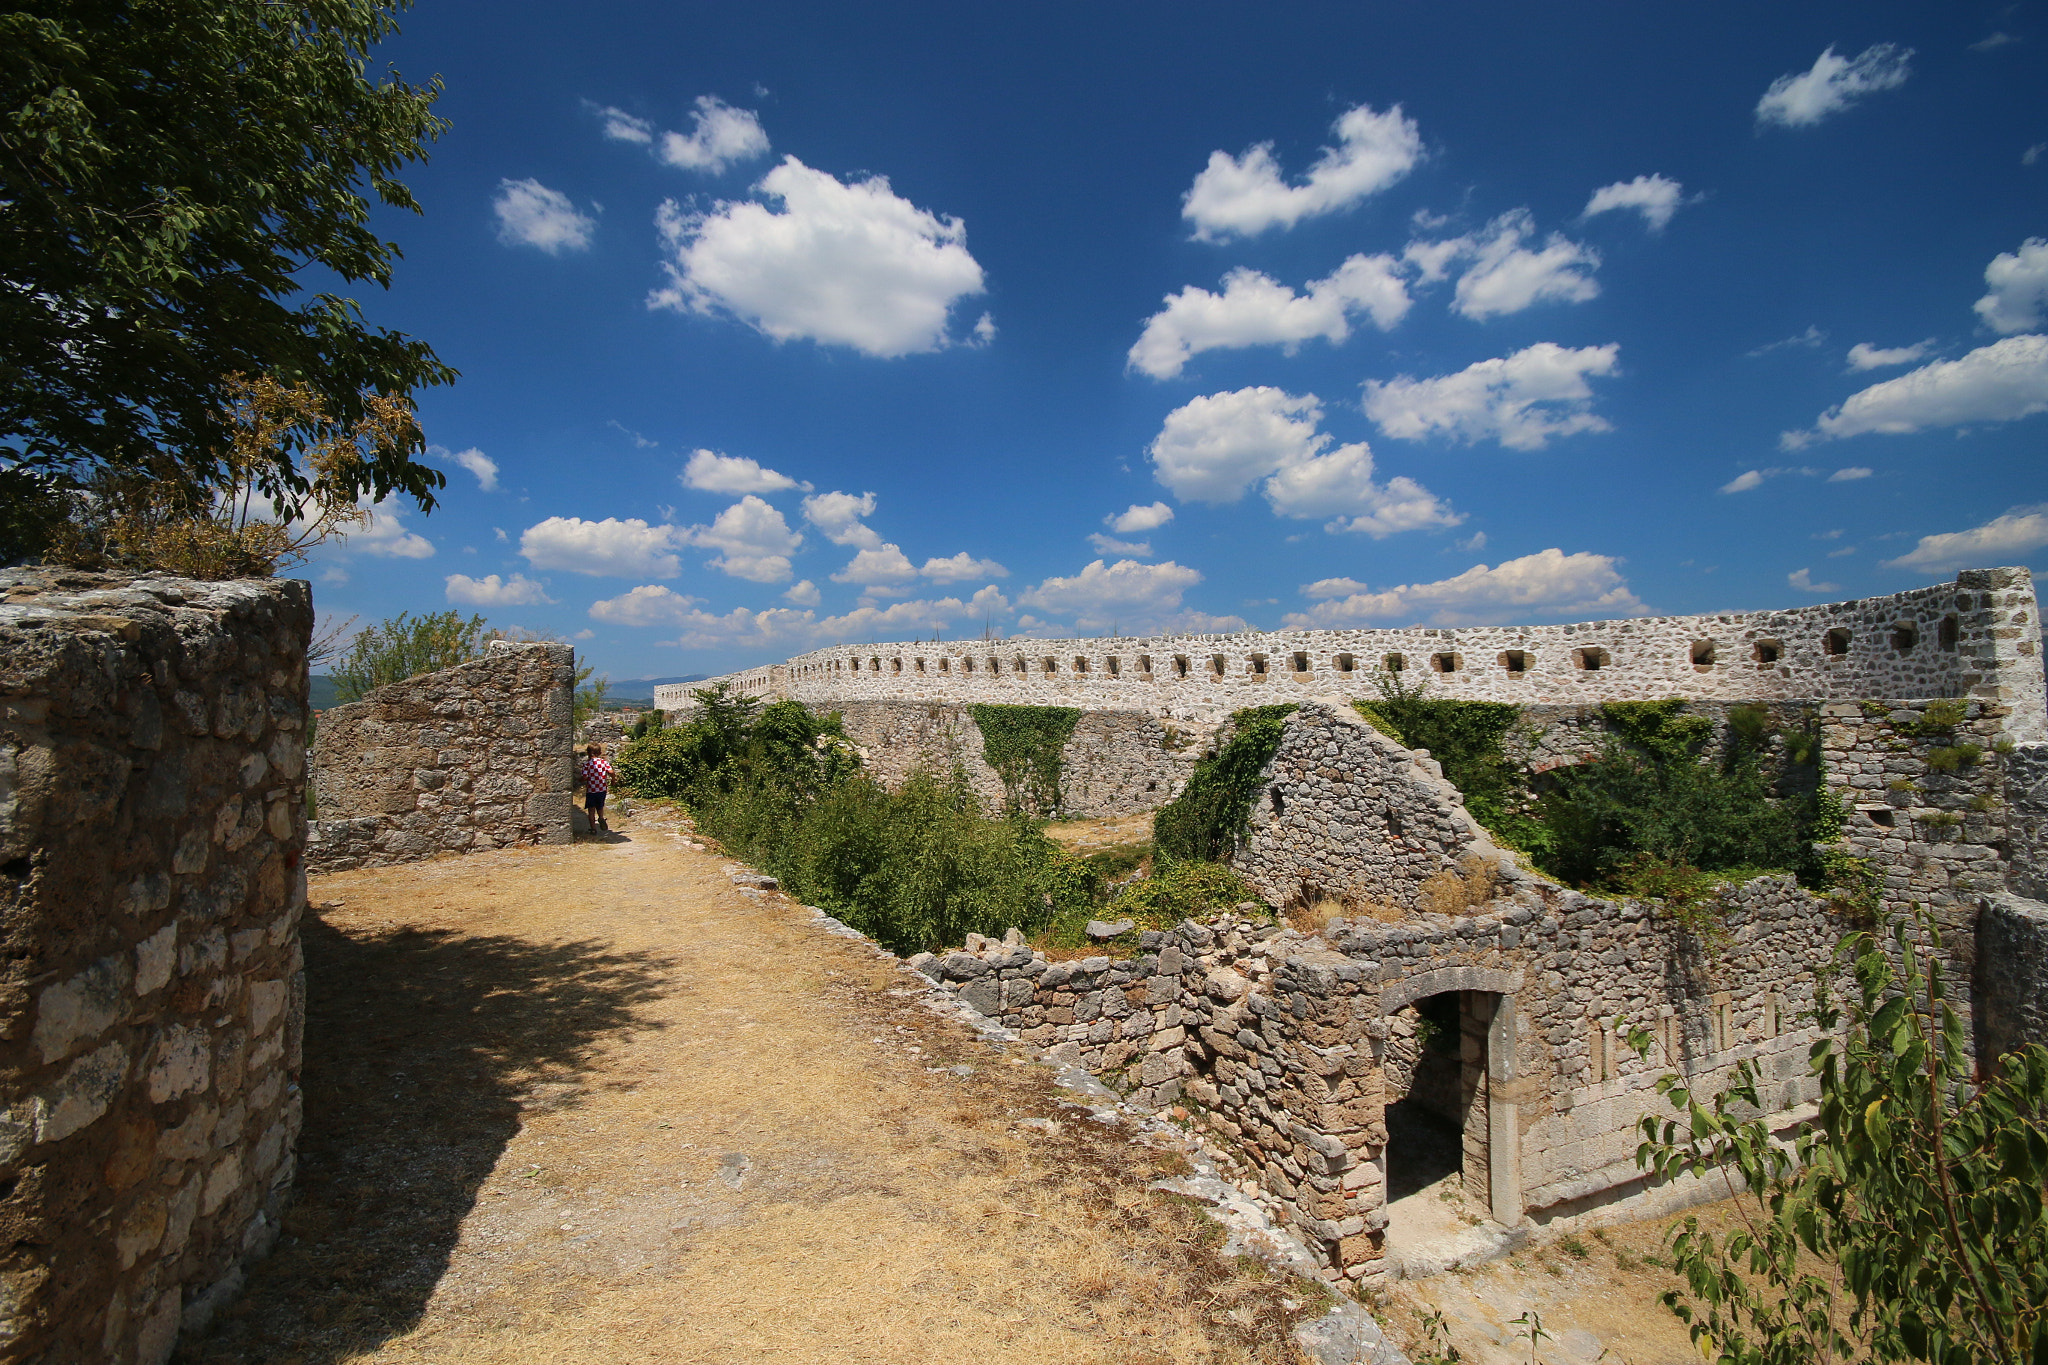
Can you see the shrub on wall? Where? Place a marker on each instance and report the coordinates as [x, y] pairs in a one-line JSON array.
[[1204, 823], [1023, 744]]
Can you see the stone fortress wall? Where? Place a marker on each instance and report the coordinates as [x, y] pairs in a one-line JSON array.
[[1977, 637], [152, 827], [1291, 1046], [472, 757]]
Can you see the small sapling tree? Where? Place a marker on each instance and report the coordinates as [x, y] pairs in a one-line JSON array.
[[1905, 1223]]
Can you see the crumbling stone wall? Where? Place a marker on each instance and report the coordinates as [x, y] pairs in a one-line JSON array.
[[473, 757], [1280, 1040], [1346, 814], [152, 796], [1116, 763]]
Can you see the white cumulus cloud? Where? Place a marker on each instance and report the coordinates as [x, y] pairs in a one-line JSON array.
[[2002, 540], [493, 591], [651, 604], [1246, 195], [838, 516], [1802, 579], [1213, 448], [881, 569], [531, 214], [476, 462], [1521, 400], [962, 568], [1139, 518], [1257, 310], [2019, 288], [1653, 196], [621, 549], [719, 136], [1111, 546], [1548, 583], [844, 265], [1864, 356], [803, 593], [384, 535], [2002, 382], [1507, 273], [752, 539], [620, 126], [1125, 596], [1834, 82], [712, 472]]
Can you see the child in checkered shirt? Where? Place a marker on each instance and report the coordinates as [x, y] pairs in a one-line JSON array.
[[597, 774]]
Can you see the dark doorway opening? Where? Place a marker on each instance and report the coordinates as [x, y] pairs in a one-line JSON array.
[[1436, 1077]]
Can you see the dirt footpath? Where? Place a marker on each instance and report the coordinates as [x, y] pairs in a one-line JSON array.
[[596, 1104]]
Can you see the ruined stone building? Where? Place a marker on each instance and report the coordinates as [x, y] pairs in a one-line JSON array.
[[1454, 980]]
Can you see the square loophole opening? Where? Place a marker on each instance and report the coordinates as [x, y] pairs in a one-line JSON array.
[[1515, 661]]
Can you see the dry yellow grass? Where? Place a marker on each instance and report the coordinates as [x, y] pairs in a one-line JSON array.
[[593, 1103]]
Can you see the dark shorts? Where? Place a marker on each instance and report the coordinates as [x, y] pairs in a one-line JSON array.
[[593, 802]]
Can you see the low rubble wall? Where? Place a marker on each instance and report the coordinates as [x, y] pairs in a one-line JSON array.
[[472, 757], [152, 798]]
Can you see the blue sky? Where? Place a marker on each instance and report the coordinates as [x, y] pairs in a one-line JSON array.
[[783, 325]]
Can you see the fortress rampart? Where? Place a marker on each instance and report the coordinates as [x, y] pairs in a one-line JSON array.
[[1977, 638]]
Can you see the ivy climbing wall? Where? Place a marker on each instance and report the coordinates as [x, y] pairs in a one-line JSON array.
[[1112, 763]]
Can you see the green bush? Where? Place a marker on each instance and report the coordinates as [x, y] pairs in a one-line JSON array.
[[915, 869], [1652, 792], [1180, 891], [1204, 822]]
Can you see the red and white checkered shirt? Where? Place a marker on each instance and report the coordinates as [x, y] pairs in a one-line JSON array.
[[598, 774]]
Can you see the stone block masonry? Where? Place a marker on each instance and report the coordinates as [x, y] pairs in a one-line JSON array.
[[152, 798], [1978, 637], [472, 757]]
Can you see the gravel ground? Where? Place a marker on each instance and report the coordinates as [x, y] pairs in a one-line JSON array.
[[598, 1103]]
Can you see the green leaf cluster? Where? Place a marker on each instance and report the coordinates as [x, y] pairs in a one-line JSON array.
[[1906, 1223], [1204, 823], [1178, 891], [1023, 744], [172, 172]]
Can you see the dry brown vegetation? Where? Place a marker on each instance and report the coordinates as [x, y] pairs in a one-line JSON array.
[[594, 1104]]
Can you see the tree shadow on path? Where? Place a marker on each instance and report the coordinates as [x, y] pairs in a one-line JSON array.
[[422, 1048]]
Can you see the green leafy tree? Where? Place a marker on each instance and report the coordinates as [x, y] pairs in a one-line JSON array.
[[589, 697], [405, 647], [170, 172], [1906, 1223]]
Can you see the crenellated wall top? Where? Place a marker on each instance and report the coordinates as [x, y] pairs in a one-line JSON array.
[[1977, 637]]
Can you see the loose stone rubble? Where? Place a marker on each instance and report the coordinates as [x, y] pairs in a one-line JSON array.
[[152, 826]]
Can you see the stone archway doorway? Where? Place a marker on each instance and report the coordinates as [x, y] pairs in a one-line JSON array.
[[1438, 1112], [1451, 1168]]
